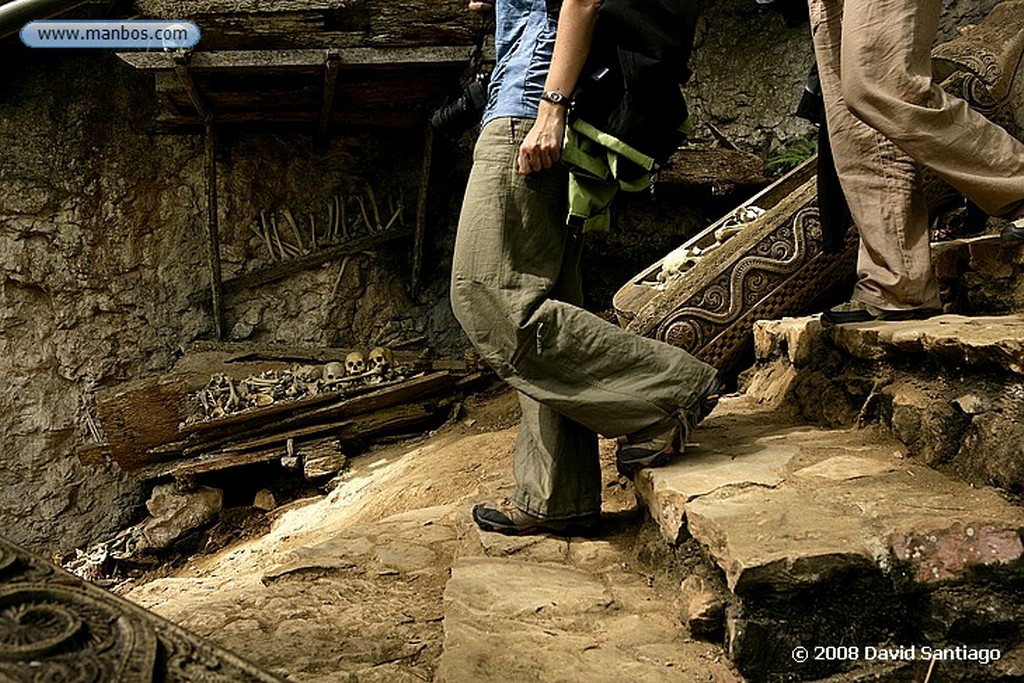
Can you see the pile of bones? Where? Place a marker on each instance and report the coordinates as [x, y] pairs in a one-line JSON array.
[[223, 395]]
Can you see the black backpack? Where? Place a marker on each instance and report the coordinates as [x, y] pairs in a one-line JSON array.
[[630, 85]]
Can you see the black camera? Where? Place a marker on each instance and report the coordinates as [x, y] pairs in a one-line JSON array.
[[466, 109]]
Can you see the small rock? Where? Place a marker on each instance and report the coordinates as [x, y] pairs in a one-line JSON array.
[[703, 608], [264, 500], [971, 404], [317, 466], [175, 513]]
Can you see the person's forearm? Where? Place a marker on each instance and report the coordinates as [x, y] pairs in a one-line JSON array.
[[572, 43], [543, 144]]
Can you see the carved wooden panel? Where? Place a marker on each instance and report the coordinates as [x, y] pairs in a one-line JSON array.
[[774, 267], [57, 627]]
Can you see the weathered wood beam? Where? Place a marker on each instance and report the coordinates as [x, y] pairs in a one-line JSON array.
[[313, 60], [213, 232], [267, 449], [180, 62], [300, 263], [421, 210], [219, 433]]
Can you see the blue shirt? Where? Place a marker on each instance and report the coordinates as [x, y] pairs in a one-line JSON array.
[[524, 39]]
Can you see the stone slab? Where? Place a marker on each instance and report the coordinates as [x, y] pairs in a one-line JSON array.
[[777, 539], [974, 341], [705, 469], [512, 620], [779, 508]]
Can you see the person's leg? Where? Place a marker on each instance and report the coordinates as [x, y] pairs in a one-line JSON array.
[[887, 82], [880, 185], [556, 463], [509, 252]]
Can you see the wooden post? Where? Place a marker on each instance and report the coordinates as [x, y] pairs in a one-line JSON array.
[[421, 211], [331, 64], [213, 232], [181, 63]]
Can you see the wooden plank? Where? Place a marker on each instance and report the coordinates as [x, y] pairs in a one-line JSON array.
[[298, 413], [139, 415], [421, 210], [300, 263], [216, 291], [181, 67], [330, 83], [270, 448], [307, 59], [359, 426]]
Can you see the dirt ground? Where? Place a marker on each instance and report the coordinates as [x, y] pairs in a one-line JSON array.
[[350, 585]]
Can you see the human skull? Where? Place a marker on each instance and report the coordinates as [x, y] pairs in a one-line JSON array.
[[334, 371], [355, 363], [382, 360]]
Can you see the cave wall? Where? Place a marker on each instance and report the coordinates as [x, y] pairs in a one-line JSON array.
[[102, 239], [750, 68]]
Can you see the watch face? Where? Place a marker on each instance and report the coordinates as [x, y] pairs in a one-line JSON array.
[[553, 97]]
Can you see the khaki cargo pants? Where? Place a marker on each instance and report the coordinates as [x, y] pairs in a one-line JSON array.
[[885, 116], [517, 292]]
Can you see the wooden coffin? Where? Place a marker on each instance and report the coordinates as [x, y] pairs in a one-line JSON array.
[[775, 266]]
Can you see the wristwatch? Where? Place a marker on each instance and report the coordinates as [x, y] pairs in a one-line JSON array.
[[555, 97]]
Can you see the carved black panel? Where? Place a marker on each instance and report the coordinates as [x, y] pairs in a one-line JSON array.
[[57, 627]]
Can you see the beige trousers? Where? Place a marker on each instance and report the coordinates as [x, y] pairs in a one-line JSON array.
[[886, 116]]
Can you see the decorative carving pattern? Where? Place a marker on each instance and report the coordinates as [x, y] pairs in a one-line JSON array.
[[990, 52], [56, 627], [771, 278], [775, 266]]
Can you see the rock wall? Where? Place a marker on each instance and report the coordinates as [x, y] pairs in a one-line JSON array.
[[750, 68], [102, 239]]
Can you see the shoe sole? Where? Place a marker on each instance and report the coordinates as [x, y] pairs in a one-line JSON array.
[[560, 528], [890, 317]]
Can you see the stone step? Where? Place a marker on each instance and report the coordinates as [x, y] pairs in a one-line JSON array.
[[980, 275], [825, 537], [543, 608], [516, 620], [950, 389]]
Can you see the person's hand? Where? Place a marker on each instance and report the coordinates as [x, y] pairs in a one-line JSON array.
[[481, 6], [542, 147]]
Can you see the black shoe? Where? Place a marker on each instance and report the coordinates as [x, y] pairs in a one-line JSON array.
[[1013, 232], [506, 518], [857, 312]]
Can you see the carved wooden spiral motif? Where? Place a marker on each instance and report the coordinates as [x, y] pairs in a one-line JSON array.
[[704, 316], [55, 627]]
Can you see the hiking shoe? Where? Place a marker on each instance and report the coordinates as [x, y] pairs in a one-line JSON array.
[[506, 518], [858, 312], [1013, 232], [636, 453]]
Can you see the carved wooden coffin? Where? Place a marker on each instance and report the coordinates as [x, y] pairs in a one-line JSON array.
[[772, 267], [57, 627], [983, 65]]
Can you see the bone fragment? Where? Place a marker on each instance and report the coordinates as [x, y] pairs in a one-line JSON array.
[[295, 228]]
